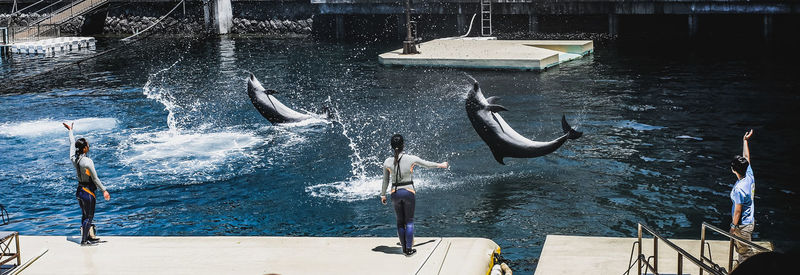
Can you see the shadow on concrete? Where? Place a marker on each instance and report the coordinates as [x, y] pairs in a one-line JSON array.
[[388, 250], [396, 249]]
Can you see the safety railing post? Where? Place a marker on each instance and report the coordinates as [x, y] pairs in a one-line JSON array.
[[680, 264], [655, 255], [730, 256], [639, 255], [702, 245]]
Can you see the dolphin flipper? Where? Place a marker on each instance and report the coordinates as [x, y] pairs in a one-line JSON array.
[[494, 108], [493, 99], [571, 133]]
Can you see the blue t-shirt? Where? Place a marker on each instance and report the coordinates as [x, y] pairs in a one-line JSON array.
[[742, 193]]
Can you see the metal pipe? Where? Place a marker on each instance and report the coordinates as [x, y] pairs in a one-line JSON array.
[[681, 251], [729, 235], [680, 264], [702, 245], [19, 251], [730, 256], [639, 257], [655, 255]]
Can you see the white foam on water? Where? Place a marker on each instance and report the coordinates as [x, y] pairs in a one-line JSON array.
[[638, 126], [48, 126], [190, 157], [355, 189], [363, 188], [689, 137], [314, 120]]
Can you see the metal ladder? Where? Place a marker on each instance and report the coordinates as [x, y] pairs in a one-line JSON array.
[[486, 17]]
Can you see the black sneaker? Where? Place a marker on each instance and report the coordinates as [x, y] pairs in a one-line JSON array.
[[88, 243], [95, 240], [410, 252]]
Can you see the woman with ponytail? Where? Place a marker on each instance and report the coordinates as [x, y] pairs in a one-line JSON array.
[[88, 183], [398, 170]]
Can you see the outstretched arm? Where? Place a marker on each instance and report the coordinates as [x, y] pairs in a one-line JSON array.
[[745, 146], [427, 164]]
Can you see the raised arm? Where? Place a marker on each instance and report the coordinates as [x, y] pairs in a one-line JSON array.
[[71, 141], [745, 146]]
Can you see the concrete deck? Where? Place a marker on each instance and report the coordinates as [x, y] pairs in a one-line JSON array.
[[256, 255], [605, 255], [491, 54]]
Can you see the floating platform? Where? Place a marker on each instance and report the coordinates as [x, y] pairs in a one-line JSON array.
[[256, 255], [604, 255], [471, 53], [53, 45]]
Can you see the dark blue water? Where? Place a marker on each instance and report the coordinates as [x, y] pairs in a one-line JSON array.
[[183, 152]]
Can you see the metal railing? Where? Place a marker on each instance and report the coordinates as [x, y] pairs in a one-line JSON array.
[[70, 6], [681, 254], [3, 215], [730, 247]]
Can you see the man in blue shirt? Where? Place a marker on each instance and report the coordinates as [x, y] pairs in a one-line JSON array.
[[742, 222]]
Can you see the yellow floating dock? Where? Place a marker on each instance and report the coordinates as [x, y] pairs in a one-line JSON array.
[[256, 255], [577, 255], [490, 54]]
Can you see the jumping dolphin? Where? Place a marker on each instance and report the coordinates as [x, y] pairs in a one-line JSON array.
[[502, 140], [269, 106]]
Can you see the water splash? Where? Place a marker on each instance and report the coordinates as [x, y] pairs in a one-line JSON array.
[[163, 96], [357, 163]]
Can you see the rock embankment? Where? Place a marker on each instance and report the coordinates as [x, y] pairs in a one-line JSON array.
[[129, 24], [274, 26]]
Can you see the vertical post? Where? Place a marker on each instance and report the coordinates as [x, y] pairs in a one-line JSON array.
[[655, 255], [339, 18], [639, 255], [730, 256], [533, 23], [461, 24], [680, 264], [19, 252], [693, 18], [408, 44], [702, 245], [613, 24], [218, 16], [767, 26]]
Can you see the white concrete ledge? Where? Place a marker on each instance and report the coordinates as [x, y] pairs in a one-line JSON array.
[[490, 54], [256, 255], [581, 255]]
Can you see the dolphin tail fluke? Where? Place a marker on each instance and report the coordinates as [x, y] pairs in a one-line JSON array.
[[571, 133]]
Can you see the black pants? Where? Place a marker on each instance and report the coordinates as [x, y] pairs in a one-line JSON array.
[[87, 202], [404, 203]]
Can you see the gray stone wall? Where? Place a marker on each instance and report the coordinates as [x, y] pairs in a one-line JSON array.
[[273, 27]]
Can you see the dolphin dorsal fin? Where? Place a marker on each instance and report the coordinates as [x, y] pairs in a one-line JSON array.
[[494, 108], [493, 99]]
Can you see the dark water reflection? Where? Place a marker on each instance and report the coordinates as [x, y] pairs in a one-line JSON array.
[[185, 153]]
